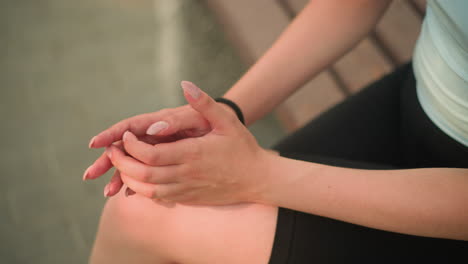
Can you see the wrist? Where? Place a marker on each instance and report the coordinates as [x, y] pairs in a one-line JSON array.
[[266, 178], [228, 108], [284, 182], [234, 107]]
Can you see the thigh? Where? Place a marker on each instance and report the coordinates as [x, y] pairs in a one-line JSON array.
[[365, 127], [383, 124], [302, 238], [137, 230]]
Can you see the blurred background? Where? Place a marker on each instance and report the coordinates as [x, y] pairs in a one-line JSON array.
[[69, 69]]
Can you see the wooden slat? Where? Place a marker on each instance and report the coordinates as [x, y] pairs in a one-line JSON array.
[[398, 31], [308, 102], [362, 65], [253, 26]]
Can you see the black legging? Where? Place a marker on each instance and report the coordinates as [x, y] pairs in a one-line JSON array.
[[381, 127]]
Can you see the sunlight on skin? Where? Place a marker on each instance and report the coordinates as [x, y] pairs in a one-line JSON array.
[[138, 230]]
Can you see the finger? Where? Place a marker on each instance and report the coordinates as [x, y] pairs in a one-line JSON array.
[[180, 121], [114, 186], [153, 140], [100, 166], [153, 191], [191, 197], [218, 117], [149, 139], [165, 202], [159, 155], [137, 124], [140, 171], [115, 132]]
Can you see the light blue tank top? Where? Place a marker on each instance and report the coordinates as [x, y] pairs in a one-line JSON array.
[[440, 64]]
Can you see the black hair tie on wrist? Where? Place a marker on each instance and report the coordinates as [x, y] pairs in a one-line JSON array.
[[233, 106]]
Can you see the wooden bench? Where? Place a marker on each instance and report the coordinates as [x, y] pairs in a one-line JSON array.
[[253, 26]]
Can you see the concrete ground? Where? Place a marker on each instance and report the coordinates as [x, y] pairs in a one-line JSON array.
[[69, 69]]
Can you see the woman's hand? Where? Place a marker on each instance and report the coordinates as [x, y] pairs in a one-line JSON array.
[[166, 125], [225, 166]]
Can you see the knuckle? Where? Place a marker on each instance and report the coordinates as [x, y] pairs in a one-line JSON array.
[[182, 172], [131, 126], [131, 123], [190, 173], [165, 111], [116, 163], [160, 193], [149, 193], [153, 159], [153, 193], [195, 151], [232, 118], [146, 175], [121, 123], [205, 102]]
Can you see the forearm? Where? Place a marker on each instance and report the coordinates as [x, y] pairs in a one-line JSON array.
[[321, 33], [426, 202]]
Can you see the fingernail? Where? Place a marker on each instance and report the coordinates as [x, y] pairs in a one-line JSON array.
[[91, 142], [129, 192], [109, 152], [157, 127], [107, 190], [191, 89], [127, 136], [85, 175]]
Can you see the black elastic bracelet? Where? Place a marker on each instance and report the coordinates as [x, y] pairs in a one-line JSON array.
[[233, 106]]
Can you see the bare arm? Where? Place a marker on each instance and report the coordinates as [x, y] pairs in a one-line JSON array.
[[324, 31], [198, 170], [425, 202]]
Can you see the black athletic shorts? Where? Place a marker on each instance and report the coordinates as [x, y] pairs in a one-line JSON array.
[[381, 127]]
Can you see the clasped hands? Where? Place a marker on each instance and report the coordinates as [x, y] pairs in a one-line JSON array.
[[199, 153]]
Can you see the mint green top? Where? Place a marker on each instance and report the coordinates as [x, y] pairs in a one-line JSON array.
[[440, 64]]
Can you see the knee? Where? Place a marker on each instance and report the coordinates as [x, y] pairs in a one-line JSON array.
[[241, 233]]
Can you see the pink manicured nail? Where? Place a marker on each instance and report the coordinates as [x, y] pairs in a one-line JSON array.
[[129, 192], [109, 152], [191, 89], [107, 190], [85, 174], [126, 136], [157, 127], [91, 142]]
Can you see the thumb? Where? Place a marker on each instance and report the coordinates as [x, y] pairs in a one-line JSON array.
[[206, 106]]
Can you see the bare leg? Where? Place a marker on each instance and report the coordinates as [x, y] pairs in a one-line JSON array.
[[137, 230]]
